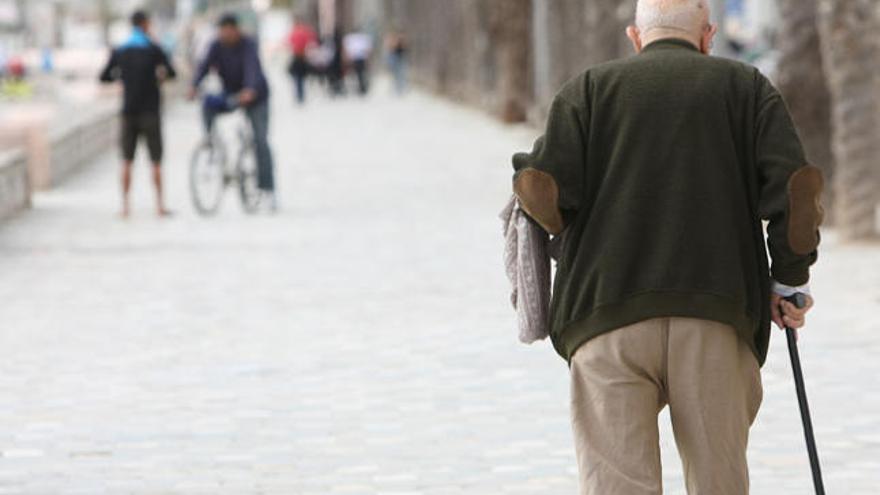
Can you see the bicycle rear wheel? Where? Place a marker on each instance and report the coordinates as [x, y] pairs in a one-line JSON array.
[[248, 181], [207, 176]]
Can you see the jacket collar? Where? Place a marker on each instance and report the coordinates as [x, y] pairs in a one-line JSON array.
[[670, 43], [138, 39]]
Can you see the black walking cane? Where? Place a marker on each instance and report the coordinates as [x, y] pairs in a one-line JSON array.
[[800, 300]]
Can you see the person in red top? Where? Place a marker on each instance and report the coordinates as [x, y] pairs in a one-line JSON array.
[[302, 39]]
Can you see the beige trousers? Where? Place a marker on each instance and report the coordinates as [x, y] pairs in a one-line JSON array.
[[621, 380]]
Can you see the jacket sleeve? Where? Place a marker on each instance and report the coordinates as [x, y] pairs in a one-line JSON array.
[[549, 180], [252, 68], [205, 65], [789, 189], [110, 72]]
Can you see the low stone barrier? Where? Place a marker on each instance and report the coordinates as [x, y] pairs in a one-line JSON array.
[[38, 156], [15, 191], [72, 146], [56, 144]]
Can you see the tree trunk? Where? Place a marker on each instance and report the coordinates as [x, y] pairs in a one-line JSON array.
[[308, 11], [510, 32], [345, 15], [508, 54], [571, 35], [849, 43], [59, 15], [604, 31], [105, 19], [802, 83], [163, 9], [546, 47]]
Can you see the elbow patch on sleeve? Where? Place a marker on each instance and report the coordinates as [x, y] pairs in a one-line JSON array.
[[805, 213], [538, 194]]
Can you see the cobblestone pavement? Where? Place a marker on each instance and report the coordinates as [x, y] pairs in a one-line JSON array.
[[359, 342]]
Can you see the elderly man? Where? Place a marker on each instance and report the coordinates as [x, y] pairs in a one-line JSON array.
[[659, 169]]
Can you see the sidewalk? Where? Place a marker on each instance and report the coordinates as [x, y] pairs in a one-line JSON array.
[[360, 342]]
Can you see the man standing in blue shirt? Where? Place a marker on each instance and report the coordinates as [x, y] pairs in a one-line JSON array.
[[235, 58], [141, 65]]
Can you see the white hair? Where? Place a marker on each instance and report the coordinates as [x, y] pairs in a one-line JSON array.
[[676, 15]]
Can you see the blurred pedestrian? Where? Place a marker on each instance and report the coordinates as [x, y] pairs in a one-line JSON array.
[[141, 65], [16, 68], [319, 58], [47, 60], [336, 66], [396, 49], [302, 40], [358, 49], [235, 58], [4, 59], [15, 84], [658, 170]]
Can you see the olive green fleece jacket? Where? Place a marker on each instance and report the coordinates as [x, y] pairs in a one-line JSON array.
[[663, 166]]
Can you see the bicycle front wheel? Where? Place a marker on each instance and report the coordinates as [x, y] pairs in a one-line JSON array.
[[248, 180], [207, 177]]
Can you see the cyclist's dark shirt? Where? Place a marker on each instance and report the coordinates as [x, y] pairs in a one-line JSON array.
[[135, 63], [237, 65]]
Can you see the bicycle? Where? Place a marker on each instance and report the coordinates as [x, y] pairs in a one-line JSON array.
[[211, 171]]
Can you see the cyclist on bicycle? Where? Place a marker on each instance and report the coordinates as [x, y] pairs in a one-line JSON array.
[[235, 58]]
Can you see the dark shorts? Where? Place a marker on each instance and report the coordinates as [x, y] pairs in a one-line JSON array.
[[148, 125]]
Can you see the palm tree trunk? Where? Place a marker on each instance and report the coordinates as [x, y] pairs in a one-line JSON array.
[[571, 35], [849, 43], [548, 49], [604, 31], [510, 32], [802, 82], [105, 19]]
